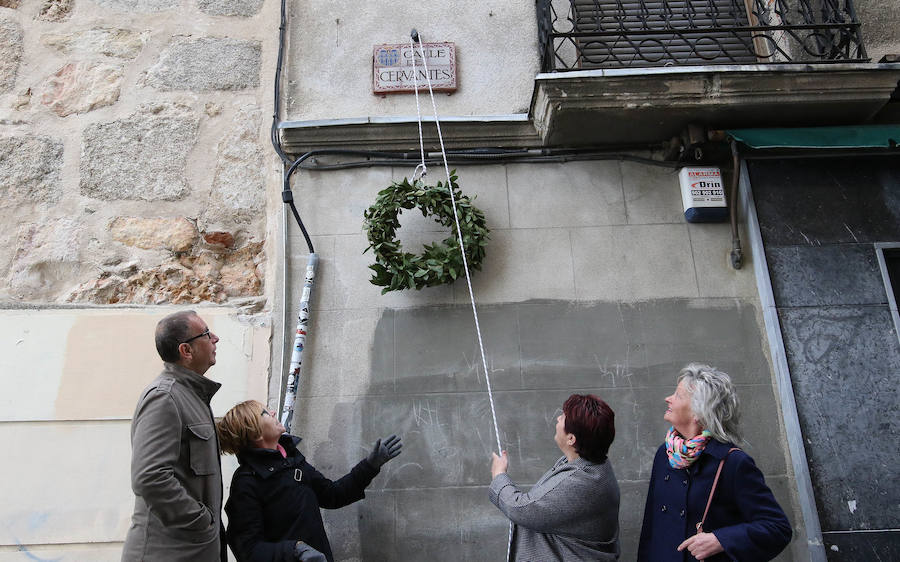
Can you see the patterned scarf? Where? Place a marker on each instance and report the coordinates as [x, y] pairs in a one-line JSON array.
[[682, 453]]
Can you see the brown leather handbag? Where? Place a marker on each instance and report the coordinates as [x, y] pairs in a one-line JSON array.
[[713, 490]]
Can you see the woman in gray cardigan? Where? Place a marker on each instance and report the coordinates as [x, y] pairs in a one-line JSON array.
[[572, 513]]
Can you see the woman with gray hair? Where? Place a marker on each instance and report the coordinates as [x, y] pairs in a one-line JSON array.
[[707, 499]]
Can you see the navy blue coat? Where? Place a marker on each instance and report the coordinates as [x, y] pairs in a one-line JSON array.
[[744, 515]]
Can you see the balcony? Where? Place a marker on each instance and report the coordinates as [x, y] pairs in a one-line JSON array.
[[588, 34], [638, 71]]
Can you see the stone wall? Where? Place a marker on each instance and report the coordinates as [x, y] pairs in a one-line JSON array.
[[135, 169], [134, 159]]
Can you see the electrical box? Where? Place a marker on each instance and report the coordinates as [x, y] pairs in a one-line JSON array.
[[703, 194]]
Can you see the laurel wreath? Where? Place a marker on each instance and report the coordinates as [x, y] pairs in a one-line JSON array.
[[440, 262]]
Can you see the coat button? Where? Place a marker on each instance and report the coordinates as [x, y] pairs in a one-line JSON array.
[[666, 478], [684, 482], [663, 508], [271, 469], [682, 513]]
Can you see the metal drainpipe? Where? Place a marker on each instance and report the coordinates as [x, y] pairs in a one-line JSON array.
[[282, 246], [737, 255]]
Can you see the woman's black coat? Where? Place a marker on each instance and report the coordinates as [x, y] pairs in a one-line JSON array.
[[275, 501]]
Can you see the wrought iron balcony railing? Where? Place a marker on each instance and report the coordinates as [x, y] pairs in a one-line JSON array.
[[586, 34]]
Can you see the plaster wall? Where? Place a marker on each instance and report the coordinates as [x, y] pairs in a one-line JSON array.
[[880, 21], [330, 61], [592, 282], [69, 381]]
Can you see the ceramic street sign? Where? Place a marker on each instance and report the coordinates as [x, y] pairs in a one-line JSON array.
[[393, 64]]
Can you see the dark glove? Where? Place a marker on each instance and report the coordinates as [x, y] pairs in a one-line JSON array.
[[384, 450], [305, 553]]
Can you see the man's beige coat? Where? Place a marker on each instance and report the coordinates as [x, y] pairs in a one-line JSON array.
[[176, 474]]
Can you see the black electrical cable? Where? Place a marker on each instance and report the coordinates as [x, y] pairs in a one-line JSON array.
[[273, 133], [545, 156]]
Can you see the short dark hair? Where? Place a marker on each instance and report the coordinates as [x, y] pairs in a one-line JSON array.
[[593, 423], [170, 332]]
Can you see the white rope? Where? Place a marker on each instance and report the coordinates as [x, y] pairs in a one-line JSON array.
[[422, 166], [437, 122], [462, 247]]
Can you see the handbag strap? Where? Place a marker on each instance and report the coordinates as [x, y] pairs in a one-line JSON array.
[[713, 490]]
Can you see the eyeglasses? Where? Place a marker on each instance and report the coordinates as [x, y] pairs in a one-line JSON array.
[[265, 412], [200, 335]]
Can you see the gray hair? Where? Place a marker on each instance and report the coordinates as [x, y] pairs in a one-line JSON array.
[[170, 332], [713, 401]]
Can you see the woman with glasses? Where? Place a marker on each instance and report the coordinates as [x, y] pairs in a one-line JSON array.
[[273, 507]]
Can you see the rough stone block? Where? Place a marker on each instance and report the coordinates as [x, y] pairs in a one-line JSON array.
[[142, 157], [238, 190], [175, 235], [10, 53], [207, 64], [82, 87], [240, 8], [30, 170], [241, 274], [45, 258], [574, 194], [137, 6], [633, 262], [56, 10], [108, 41]]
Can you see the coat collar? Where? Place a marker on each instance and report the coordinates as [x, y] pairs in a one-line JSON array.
[[717, 449], [264, 461], [204, 388]]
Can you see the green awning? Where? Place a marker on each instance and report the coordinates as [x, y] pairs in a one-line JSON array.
[[863, 136]]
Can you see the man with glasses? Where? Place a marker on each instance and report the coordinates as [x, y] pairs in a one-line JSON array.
[[175, 470]]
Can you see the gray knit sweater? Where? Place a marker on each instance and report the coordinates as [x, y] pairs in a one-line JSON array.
[[572, 513]]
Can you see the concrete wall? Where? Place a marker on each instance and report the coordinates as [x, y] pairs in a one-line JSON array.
[[69, 381], [592, 282], [819, 219]]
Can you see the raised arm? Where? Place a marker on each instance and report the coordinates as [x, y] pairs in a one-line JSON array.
[[550, 507]]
